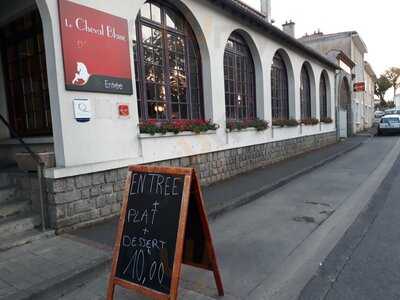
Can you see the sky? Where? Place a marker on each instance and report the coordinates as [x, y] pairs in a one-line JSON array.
[[376, 22]]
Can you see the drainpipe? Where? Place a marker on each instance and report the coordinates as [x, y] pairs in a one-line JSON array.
[[337, 93]]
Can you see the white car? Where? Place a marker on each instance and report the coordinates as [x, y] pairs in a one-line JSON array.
[[389, 124], [379, 114], [392, 111]]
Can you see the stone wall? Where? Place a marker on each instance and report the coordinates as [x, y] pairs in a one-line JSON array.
[[81, 200]]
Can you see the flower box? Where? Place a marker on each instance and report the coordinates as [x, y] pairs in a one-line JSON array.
[[171, 134], [327, 120], [310, 121], [285, 123], [153, 127], [257, 124]]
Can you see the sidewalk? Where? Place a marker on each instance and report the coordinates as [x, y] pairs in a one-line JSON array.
[[31, 269], [241, 189], [45, 266]]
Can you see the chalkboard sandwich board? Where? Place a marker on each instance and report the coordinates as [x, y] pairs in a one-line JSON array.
[[162, 225]]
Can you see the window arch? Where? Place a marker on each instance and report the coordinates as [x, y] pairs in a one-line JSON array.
[[305, 93], [239, 75], [323, 97], [279, 88], [167, 65]]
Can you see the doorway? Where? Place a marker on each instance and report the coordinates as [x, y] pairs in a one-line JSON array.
[[345, 115], [25, 75]]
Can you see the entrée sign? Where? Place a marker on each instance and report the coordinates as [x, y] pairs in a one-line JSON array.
[[162, 225], [95, 50]]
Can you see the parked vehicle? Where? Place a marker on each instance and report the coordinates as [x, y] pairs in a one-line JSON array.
[[389, 124], [392, 111], [379, 114]]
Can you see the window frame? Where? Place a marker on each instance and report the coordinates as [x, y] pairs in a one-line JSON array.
[[279, 89], [189, 38], [250, 106], [323, 97], [305, 94]]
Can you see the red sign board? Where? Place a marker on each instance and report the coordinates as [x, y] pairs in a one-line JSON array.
[[123, 110], [359, 87], [95, 47]]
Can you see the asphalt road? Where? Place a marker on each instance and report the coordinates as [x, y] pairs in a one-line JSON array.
[[270, 248], [365, 264]]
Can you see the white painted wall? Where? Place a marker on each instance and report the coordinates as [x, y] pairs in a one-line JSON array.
[[358, 101], [369, 100], [109, 142]]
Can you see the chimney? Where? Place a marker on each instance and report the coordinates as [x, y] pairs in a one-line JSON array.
[[266, 9], [289, 28]]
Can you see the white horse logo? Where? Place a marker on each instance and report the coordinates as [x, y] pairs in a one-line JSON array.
[[82, 75]]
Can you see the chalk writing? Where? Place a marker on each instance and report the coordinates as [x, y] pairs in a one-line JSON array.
[[147, 246]]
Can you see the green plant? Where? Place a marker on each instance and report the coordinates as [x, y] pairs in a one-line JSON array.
[[310, 121], [326, 120], [285, 122], [258, 124]]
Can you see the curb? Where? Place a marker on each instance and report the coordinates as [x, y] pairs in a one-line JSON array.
[[65, 279], [251, 196]]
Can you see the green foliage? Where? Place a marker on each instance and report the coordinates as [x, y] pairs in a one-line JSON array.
[[381, 87], [393, 75]]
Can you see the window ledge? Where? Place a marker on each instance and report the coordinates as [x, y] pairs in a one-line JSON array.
[[284, 127], [250, 129], [171, 134]]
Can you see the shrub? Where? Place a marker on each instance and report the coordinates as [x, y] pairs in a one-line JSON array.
[[258, 124]]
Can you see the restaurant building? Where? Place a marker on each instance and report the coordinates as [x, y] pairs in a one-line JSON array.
[[213, 84]]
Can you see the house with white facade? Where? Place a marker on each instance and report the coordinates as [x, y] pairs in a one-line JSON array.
[[353, 46], [206, 84], [369, 95]]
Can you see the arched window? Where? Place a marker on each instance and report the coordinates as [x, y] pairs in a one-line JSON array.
[[239, 76], [167, 65], [305, 94], [323, 97], [279, 89]]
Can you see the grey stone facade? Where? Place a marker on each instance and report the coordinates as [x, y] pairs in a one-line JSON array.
[[81, 200]]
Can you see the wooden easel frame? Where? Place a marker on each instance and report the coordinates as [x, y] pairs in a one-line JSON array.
[[190, 180]]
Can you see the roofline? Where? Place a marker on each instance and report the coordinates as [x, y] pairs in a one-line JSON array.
[[244, 11], [335, 35], [370, 70], [362, 43], [346, 59]]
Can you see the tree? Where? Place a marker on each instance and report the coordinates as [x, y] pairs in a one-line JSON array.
[[393, 75], [381, 87]]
